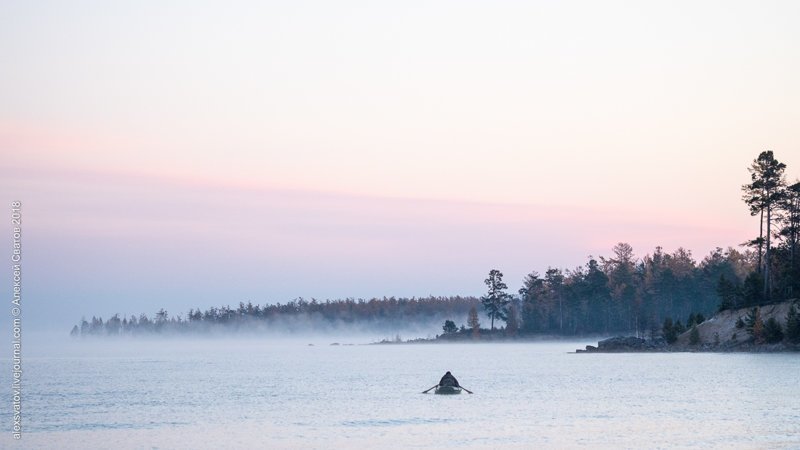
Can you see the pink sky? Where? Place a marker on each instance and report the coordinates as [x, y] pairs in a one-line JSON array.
[[258, 151], [105, 242]]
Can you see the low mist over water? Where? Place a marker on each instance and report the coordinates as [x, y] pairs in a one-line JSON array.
[[249, 393]]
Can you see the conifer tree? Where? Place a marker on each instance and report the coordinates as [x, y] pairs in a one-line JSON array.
[[496, 299], [694, 336], [670, 334], [755, 325], [773, 332], [763, 195]]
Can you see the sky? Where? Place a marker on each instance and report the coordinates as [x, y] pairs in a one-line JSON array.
[[191, 154]]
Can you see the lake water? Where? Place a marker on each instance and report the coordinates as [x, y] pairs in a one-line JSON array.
[[259, 394]]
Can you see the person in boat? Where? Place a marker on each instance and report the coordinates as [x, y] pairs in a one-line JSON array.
[[448, 380]]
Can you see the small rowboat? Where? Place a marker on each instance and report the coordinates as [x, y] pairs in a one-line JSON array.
[[447, 390]]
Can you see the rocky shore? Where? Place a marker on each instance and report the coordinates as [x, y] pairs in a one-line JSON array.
[[625, 344], [721, 333]]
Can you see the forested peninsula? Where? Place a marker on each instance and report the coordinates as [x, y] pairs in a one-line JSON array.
[[657, 297]]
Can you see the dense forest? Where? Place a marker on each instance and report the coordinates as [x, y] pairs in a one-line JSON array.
[[618, 293]]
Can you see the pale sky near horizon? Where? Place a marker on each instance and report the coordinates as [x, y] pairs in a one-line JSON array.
[[186, 154]]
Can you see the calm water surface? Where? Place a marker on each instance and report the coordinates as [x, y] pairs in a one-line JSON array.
[[245, 394]]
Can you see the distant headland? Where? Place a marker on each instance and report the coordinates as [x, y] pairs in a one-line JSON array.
[[747, 293]]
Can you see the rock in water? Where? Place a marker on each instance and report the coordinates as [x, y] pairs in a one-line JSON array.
[[622, 344]]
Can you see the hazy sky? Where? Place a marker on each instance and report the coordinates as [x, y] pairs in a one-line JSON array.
[[186, 154]]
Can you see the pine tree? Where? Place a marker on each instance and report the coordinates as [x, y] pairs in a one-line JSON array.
[[755, 325], [533, 311], [763, 195], [694, 336], [496, 300], [773, 332], [622, 286], [670, 334], [752, 290], [554, 281]]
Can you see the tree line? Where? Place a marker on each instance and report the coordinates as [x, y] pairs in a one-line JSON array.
[[623, 293], [619, 293], [376, 314]]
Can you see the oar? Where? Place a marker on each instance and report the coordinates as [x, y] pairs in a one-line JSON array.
[[426, 390], [468, 391]]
